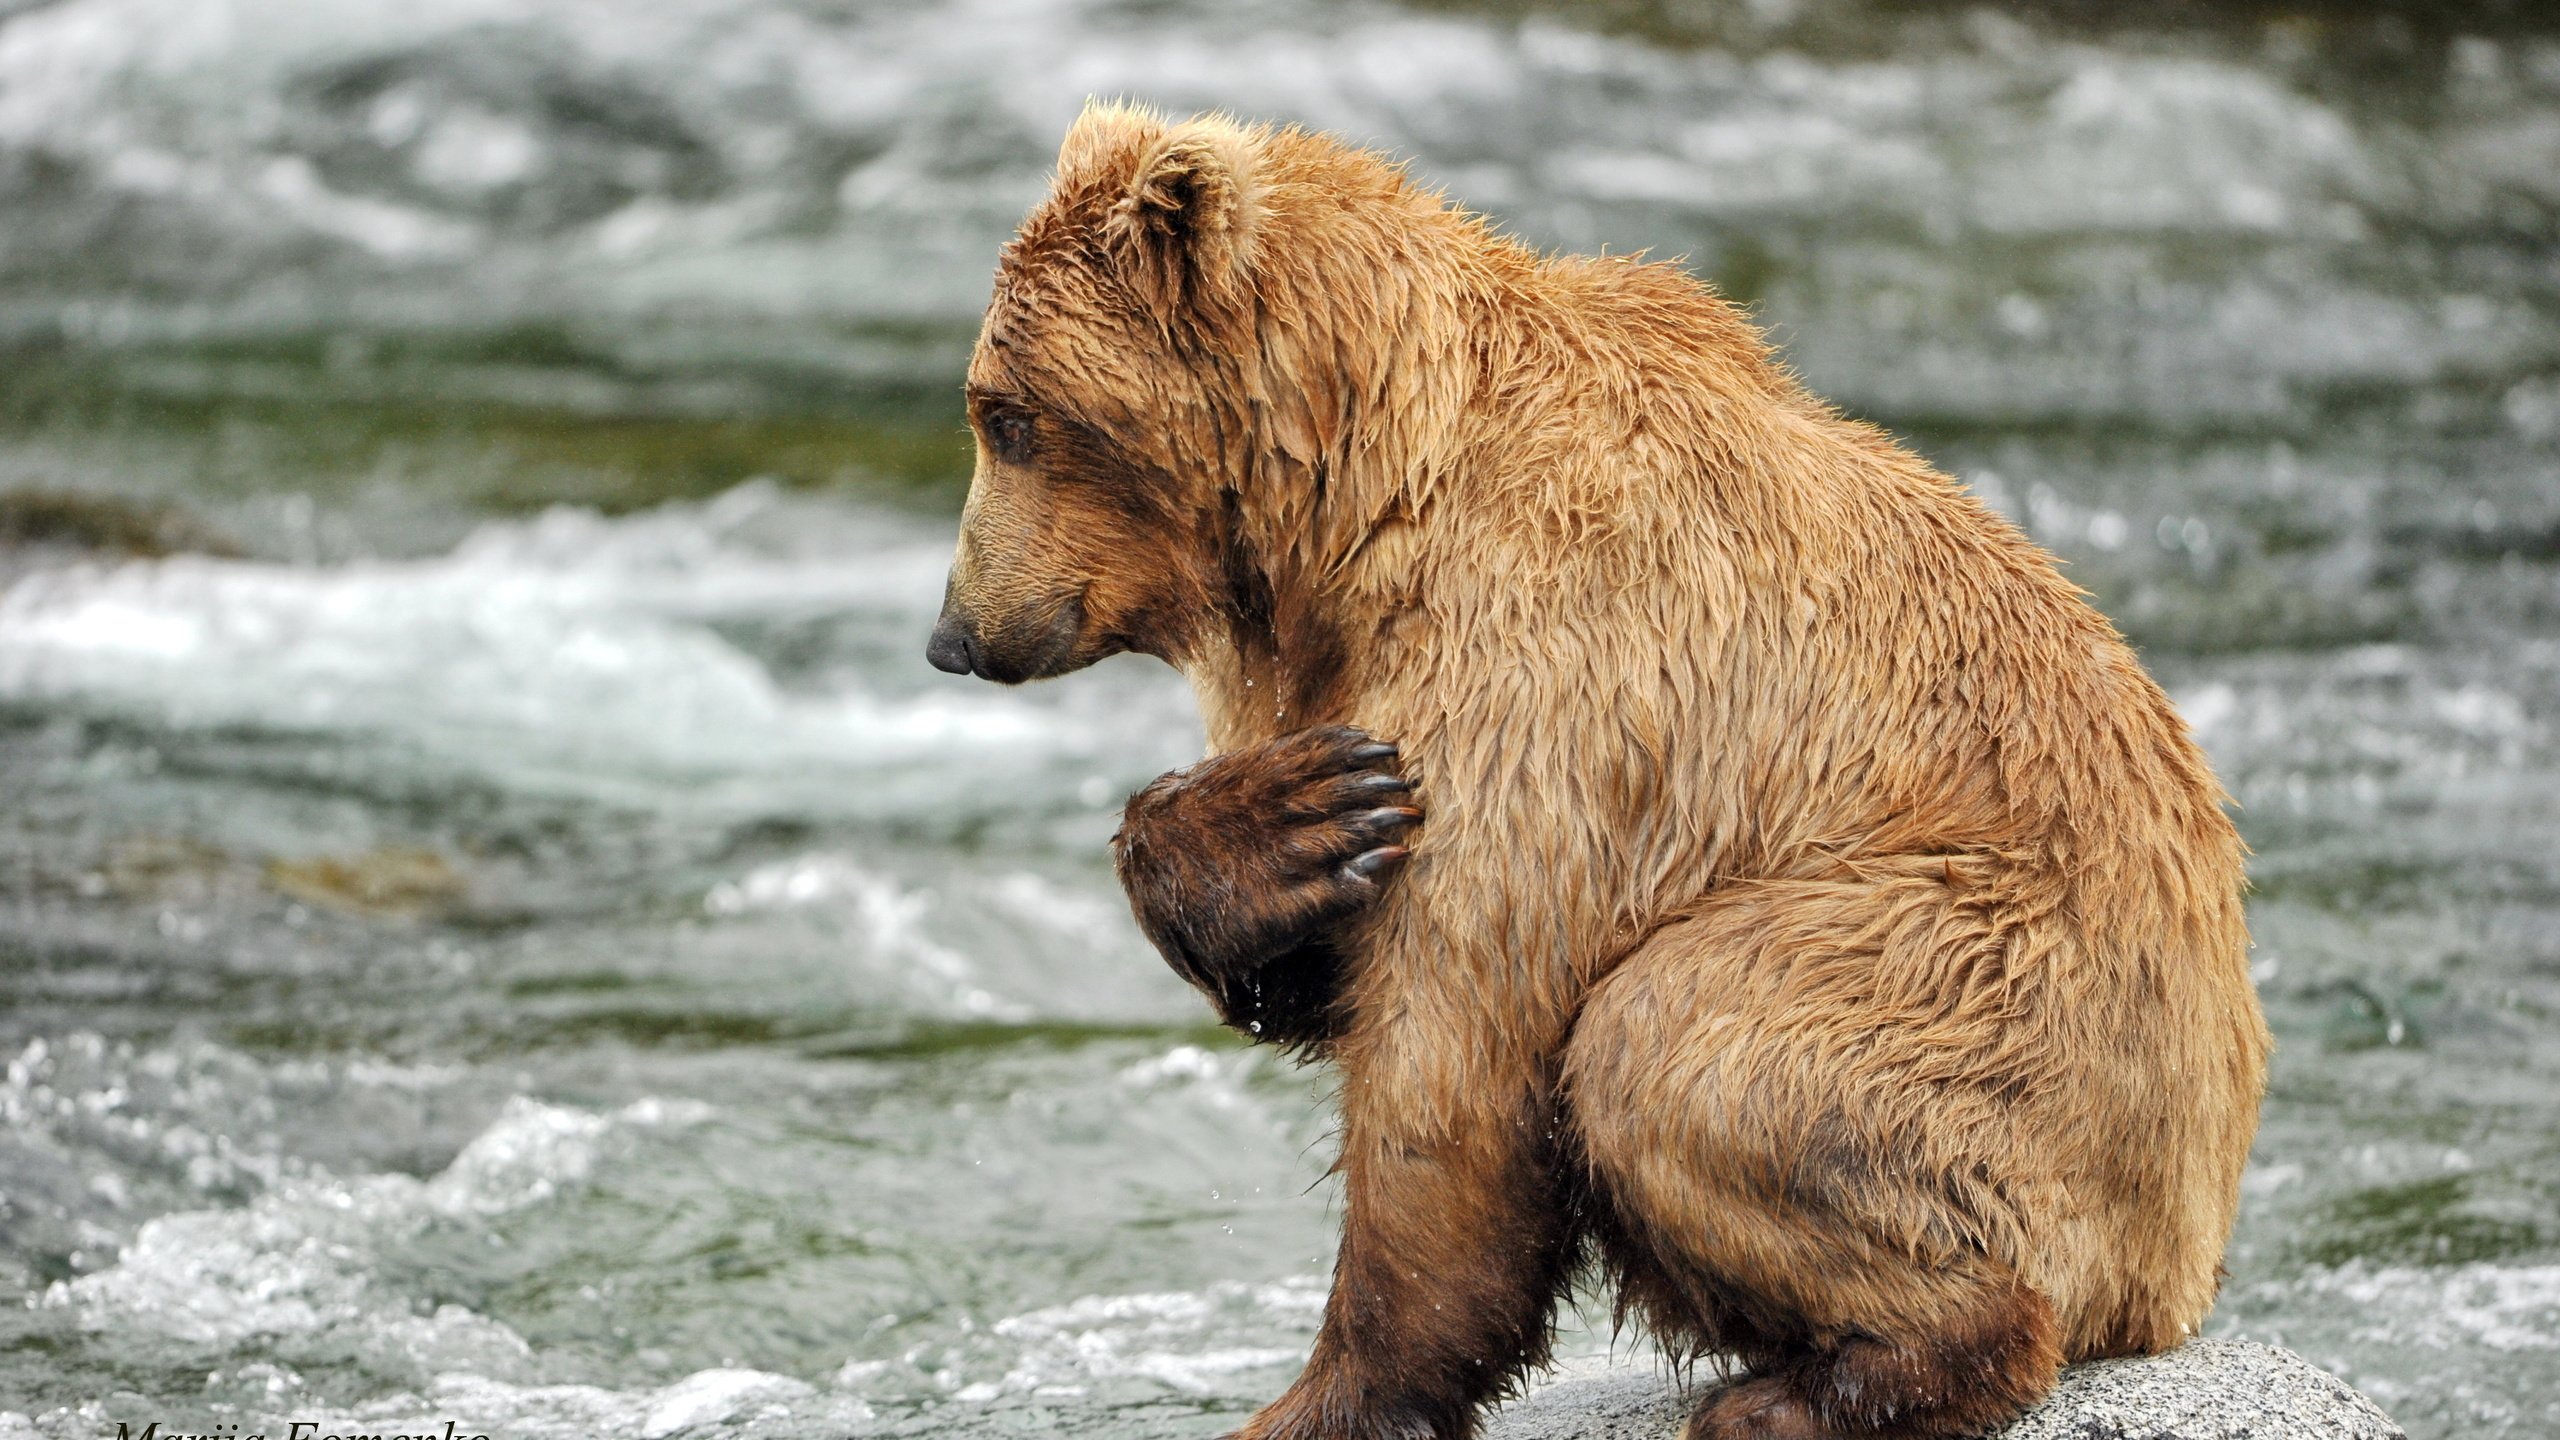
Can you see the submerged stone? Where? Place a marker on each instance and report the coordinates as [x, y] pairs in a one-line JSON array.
[[2203, 1390], [397, 882]]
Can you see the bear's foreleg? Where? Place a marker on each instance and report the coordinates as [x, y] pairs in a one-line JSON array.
[[1240, 868], [1459, 1230]]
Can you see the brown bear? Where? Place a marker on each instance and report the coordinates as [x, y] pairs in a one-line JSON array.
[[1818, 913]]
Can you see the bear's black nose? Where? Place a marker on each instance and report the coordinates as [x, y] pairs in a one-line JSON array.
[[949, 649]]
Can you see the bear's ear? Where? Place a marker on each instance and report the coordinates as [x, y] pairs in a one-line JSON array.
[[1184, 227]]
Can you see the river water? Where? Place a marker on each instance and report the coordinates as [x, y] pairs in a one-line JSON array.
[[498, 923]]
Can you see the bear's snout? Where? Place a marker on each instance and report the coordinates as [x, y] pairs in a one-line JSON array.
[[1008, 649], [952, 650]]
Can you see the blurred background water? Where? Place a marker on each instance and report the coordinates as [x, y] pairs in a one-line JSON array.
[[497, 922]]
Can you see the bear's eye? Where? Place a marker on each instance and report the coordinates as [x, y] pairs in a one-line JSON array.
[[1008, 433]]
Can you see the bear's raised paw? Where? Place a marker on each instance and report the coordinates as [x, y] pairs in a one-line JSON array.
[[1239, 867]]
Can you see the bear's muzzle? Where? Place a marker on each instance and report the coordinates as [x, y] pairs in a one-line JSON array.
[[952, 650]]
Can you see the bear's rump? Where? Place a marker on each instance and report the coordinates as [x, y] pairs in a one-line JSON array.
[[1896, 1066]]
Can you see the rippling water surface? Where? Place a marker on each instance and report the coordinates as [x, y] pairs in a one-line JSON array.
[[498, 923]]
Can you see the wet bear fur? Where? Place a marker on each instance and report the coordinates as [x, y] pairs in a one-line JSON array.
[[1699, 833]]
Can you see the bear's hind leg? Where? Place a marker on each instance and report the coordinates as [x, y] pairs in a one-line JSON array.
[[1986, 1352], [1973, 1375], [1786, 1171]]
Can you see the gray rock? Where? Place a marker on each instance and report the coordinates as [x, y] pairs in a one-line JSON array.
[[2203, 1390]]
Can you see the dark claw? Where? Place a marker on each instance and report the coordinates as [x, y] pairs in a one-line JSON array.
[[1370, 862], [1380, 782], [1374, 750], [1387, 816]]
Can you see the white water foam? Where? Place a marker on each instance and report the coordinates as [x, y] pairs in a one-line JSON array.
[[716, 1402], [2513, 1309], [300, 1269], [886, 920], [300, 1258], [569, 653], [1183, 1340], [300, 1262]]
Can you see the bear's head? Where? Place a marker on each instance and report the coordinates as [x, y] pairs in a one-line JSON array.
[[1141, 395], [1093, 516]]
